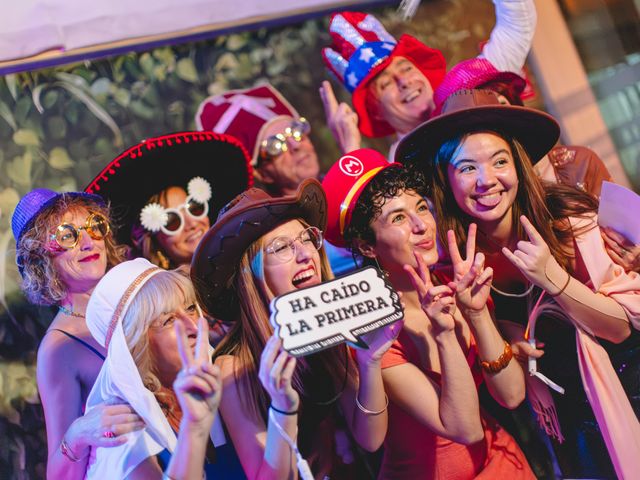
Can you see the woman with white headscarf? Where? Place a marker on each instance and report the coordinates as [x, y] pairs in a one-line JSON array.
[[148, 321]]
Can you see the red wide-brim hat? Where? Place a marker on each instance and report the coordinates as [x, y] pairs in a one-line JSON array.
[[155, 164], [428, 60]]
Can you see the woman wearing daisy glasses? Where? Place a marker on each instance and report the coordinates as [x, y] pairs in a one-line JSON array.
[[64, 246], [165, 191]]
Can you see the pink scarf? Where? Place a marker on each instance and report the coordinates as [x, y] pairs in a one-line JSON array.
[[618, 423]]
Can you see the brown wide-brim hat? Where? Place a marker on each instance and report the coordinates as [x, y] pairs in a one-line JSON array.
[[467, 111], [241, 222]]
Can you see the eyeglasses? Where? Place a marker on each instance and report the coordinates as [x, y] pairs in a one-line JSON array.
[[170, 221], [284, 248], [67, 235], [276, 144]]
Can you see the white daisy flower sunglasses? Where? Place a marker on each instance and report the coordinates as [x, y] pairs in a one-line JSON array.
[[170, 221]]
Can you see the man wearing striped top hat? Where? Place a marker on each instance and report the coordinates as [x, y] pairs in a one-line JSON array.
[[394, 83]]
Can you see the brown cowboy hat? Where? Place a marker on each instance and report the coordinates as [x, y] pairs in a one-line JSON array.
[[241, 222], [474, 110]]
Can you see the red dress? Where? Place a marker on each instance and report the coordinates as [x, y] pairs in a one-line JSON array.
[[412, 451]]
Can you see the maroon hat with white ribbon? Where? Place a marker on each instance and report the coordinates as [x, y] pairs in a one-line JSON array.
[[244, 114]]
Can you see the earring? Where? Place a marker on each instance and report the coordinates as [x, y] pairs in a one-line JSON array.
[[384, 272]]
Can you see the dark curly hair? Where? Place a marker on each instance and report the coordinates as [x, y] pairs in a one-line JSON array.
[[387, 184]]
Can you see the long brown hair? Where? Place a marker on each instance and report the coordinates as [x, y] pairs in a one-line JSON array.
[[249, 334], [546, 205]]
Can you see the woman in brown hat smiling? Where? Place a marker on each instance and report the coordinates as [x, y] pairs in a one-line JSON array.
[[545, 248], [259, 248]]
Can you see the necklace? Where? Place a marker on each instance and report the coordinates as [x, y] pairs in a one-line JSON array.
[[514, 295], [496, 289], [70, 312]]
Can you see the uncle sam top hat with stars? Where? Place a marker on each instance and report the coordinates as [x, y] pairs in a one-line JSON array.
[[361, 49]]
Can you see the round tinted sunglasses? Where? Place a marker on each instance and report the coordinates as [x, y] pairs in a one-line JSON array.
[[66, 235], [276, 144], [284, 248], [170, 221]]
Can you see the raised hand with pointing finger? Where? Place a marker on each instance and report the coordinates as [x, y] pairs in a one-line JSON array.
[[534, 260], [341, 119]]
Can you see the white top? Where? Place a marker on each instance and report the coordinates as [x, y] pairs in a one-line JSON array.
[[511, 38]]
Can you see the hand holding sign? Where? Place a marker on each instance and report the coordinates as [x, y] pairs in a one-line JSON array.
[[472, 281], [318, 317], [437, 303], [378, 341], [276, 371]]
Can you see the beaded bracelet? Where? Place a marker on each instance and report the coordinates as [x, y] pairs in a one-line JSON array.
[[283, 412], [501, 363], [366, 411]]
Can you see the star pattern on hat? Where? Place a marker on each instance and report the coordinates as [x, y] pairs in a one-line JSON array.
[[366, 54], [352, 79]]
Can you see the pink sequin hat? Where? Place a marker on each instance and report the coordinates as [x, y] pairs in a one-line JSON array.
[[361, 49], [475, 72]]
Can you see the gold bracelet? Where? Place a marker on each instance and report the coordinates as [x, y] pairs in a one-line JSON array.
[[67, 452], [501, 363], [366, 411]]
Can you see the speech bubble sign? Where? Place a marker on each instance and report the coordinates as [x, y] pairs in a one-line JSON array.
[[314, 318]]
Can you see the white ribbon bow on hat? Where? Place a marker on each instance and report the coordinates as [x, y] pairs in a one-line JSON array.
[[258, 106]]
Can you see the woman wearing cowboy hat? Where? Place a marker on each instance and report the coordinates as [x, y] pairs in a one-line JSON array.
[[545, 249], [449, 344], [261, 247]]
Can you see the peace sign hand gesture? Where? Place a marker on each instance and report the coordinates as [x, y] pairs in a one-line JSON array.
[[437, 303], [471, 280], [198, 386], [533, 258], [341, 119]]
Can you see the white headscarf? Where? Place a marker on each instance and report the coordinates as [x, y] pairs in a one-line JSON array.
[[119, 378]]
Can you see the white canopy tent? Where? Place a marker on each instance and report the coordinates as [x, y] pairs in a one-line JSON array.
[[44, 32]]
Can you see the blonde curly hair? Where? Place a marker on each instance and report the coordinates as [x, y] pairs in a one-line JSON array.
[[41, 282]]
